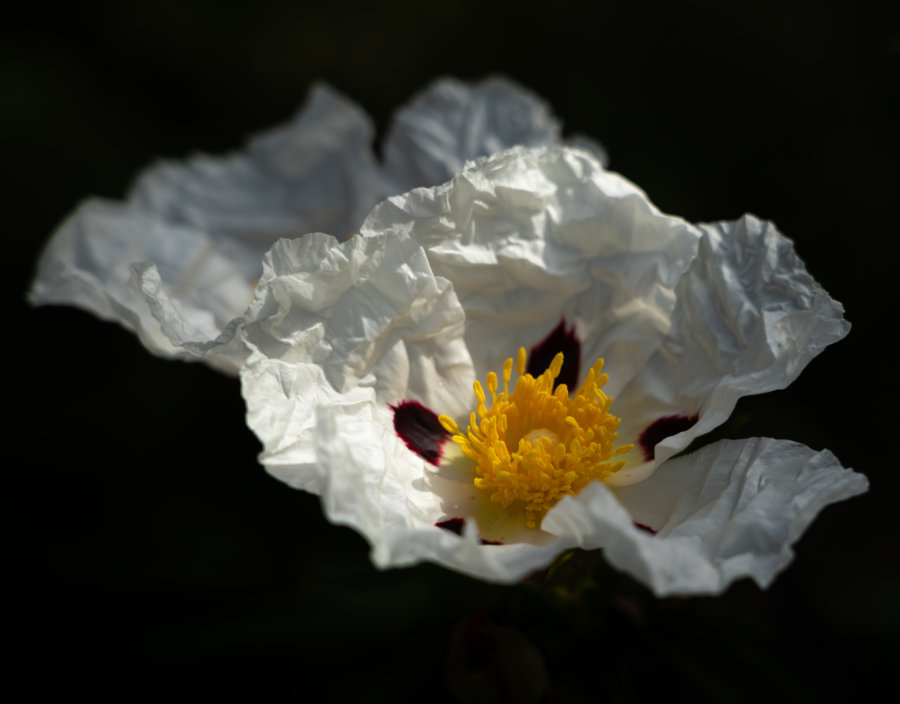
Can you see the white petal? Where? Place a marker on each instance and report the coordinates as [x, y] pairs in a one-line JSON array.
[[368, 311], [180, 308], [192, 234], [282, 399], [384, 491], [342, 324], [748, 319], [529, 236], [733, 509], [452, 122], [317, 173]]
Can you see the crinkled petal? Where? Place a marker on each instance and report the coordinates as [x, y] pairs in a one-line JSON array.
[[315, 174], [383, 490], [88, 263], [178, 320], [733, 509], [730, 511], [531, 236], [177, 262], [748, 319], [453, 122], [368, 309], [282, 399], [687, 318], [366, 319]]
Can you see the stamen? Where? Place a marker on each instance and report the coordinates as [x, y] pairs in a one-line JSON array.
[[536, 444]]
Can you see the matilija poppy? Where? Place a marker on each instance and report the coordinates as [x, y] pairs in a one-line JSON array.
[[176, 262], [504, 367]]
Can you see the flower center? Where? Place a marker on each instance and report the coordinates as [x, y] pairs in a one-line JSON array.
[[537, 444]]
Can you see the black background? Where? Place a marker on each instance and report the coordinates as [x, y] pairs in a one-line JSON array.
[[151, 557]]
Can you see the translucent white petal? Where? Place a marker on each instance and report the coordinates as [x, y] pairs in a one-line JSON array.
[[530, 236], [384, 491], [282, 399], [177, 262], [341, 323], [452, 122], [730, 511], [733, 509], [368, 312], [315, 174], [101, 259], [748, 319]]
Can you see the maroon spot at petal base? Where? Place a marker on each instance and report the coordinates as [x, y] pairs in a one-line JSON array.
[[455, 525], [420, 429], [662, 428], [562, 340], [645, 527]]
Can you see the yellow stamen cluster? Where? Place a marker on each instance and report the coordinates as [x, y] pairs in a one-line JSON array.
[[536, 444]]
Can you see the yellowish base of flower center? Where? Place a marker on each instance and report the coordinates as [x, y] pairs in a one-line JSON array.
[[537, 444]]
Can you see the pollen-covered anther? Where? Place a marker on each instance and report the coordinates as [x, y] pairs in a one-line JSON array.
[[535, 444]]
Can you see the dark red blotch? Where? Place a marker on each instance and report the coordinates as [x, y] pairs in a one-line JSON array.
[[662, 428], [420, 429], [455, 525], [645, 527], [560, 339]]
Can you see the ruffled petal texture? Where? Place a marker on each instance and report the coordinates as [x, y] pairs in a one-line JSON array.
[[748, 319], [177, 261], [315, 174], [453, 122], [532, 236], [730, 510], [357, 325], [688, 318], [167, 283], [383, 490]]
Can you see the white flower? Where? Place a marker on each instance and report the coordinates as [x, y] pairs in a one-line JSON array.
[[357, 347], [176, 262]]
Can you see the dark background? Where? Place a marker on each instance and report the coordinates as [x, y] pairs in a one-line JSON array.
[[152, 558]]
